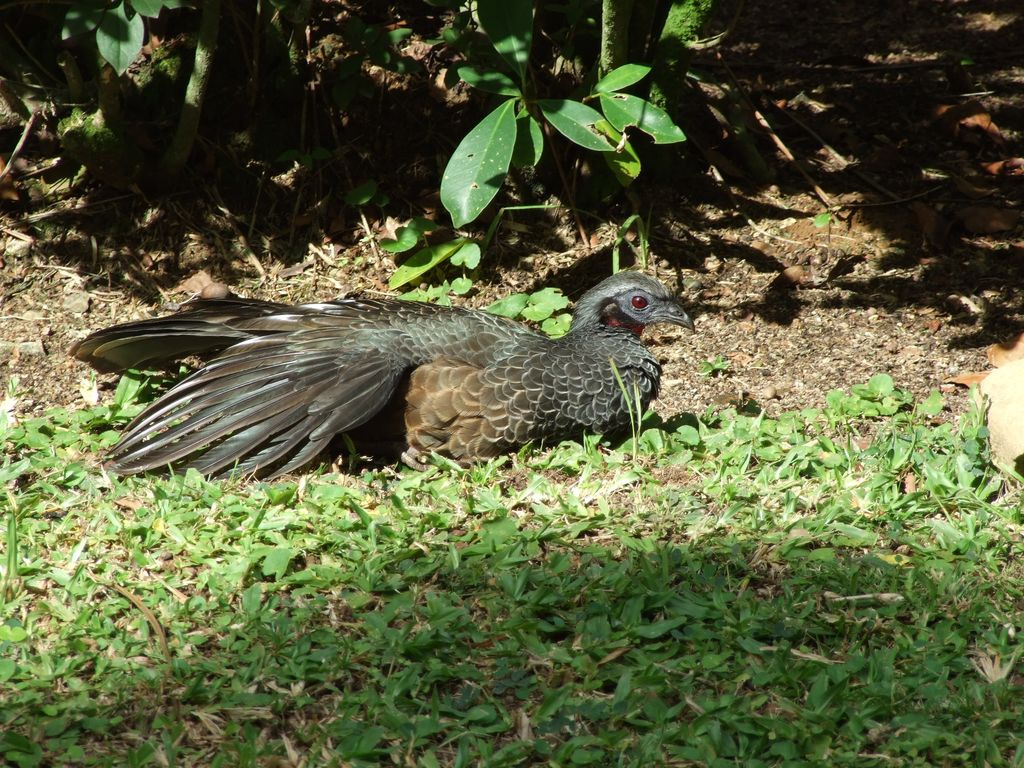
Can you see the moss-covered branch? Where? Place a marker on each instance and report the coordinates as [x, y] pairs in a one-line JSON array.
[[180, 148]]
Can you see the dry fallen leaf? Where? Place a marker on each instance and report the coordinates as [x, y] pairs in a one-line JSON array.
[[970, 115], [1005, 392], [987, 219], [194, 284], [1003, 352], [1012, 166], [969, 379], [934, 226]]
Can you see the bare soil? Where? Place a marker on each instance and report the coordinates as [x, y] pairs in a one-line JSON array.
[[917, 271]]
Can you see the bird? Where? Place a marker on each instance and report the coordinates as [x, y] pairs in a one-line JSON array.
[[280, 384]]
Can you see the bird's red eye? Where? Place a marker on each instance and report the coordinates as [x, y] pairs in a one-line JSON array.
[[639, 302]]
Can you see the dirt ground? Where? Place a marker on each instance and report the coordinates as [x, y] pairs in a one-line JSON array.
[[905, 118]]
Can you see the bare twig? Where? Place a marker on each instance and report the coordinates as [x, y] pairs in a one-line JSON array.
[[781, 146], [845, 164], [29, 124]]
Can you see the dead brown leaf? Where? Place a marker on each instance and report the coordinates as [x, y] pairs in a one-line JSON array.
[[1003, 352], [968, 379], [1012, 166], [986, 219], [194, 284], [963, 120], [934, 226]]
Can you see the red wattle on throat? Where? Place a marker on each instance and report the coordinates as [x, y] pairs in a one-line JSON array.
[[614, 322]]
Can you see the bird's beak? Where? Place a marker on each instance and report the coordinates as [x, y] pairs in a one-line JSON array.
[[676, 315]]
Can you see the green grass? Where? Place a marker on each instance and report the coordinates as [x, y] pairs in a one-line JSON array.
[[833, 587]]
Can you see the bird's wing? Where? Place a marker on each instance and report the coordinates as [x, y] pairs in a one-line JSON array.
[[202, 329], [268, 404]]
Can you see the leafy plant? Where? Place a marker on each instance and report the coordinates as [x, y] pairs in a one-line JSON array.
[[539, 307], [641, 250], [372, 43], [461, 251], [419, 602], [717, 367], [118, 30], [512, 133]]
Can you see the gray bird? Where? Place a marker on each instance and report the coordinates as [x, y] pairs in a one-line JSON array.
[[395, 377]]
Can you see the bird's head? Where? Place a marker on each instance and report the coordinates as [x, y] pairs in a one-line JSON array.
[[630, 300]]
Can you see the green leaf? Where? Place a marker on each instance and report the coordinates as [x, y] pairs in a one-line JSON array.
[[557, 326], [275, 562], [576, 121], [489, 81], [405, 240], [362, 194], [510, 306], [461, 285], [621, 77], [9, 472], [425, 260], [623, 110], [544, 303], [625, 162], [252, 599], [529, 141], [82, 17], [148, 8], [151, 8], [509, 25], [468, 256], [478, 166], [408, 236], [822, 219], [119, 39], [659, 628]]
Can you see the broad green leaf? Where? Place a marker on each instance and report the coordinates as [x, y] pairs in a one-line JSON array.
[[478, 166], [151, 8], [544, 303], [510, 306], [82, 17], [362, 194], [529, 141], [468, 256], [623, 162], [407, 236], [623, 110], [622, 77], [148, 8], [425, 260], [119, 39], [405, 240], [461, 285], [576, 122], [275, 563], [509, 25], [557, 326], [489, 81]]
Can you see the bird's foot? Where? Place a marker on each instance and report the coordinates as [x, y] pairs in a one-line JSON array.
[[411, 458]]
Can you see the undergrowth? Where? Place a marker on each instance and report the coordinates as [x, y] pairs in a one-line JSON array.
[[836, 586]]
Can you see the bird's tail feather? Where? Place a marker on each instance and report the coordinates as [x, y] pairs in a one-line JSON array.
[[204, 330]]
